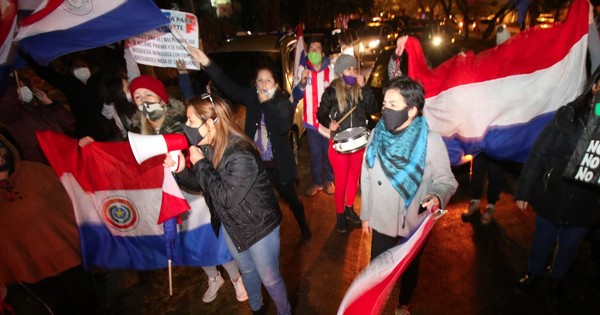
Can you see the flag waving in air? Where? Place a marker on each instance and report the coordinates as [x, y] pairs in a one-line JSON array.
[[59, 27], [499, 100], [117, 205]]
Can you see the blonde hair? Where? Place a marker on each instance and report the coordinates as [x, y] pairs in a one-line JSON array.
[[219, 111], [345, 93]]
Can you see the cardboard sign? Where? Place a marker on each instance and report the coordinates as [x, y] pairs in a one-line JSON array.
[[162, 49]]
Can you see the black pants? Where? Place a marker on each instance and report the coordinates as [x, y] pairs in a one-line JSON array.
[[408, 280], [494, 169], [287, 191]]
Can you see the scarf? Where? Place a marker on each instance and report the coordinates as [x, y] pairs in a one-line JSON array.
[[402, 156]]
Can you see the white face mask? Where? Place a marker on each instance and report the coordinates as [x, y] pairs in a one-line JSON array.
[[26, 94], [82, 74], [268, 93]]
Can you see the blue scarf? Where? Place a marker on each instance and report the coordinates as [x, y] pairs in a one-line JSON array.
[[402, 156]]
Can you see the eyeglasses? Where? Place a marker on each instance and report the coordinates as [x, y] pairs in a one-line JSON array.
[[208, 96]]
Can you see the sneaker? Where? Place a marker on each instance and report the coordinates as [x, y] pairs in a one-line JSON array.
[[472, 210], [214, 284], [488, 216], [240, 291], [402, 310], [313, 189], [329, 188]]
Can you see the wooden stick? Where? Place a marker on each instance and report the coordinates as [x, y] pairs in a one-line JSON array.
[[17, 79], [347, 114], [170, 280]]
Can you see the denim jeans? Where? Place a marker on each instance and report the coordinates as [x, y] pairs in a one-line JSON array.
[[567, 240], [260, 263], [318, 146]]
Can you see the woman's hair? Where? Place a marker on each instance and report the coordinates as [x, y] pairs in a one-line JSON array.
[[411, 90], [112, 93], [209, 106], [345, 93]]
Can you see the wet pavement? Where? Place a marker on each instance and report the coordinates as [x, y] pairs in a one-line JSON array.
[[466, 268]]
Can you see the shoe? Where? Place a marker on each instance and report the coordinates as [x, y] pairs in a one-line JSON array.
[[313, 189], [240, 290], [527, 282], [351, 215], [488, 215], [402, 310], [342, 225], [471, 211], [556, 290], [214, 284], [261, 311], [329, 188]]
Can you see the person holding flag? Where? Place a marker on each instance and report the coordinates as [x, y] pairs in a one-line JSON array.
[[406, 171]]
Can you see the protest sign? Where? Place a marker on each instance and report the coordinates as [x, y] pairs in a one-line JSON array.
[[584, 165], [162, 49]]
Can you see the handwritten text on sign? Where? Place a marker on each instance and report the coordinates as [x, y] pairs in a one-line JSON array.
[[162, 49]]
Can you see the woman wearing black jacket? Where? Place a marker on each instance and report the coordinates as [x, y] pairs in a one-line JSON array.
[[269, 117], [565, 209], [228, 170]]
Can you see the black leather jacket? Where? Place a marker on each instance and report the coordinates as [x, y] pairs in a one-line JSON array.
[[329, 109], [238, 193]]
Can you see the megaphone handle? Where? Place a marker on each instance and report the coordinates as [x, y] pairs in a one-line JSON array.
[[175, 157]]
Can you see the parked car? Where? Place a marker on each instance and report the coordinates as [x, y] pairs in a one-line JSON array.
[[375, 37], [429, 32], [240, 58]]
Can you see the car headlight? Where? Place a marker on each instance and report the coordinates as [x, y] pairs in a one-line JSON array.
[[361, 48], [374, 43], [436, 40]]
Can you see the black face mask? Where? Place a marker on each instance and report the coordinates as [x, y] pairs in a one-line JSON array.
[[393, 119], [193, 134]]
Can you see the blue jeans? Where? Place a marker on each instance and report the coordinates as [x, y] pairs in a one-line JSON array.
[[260, 263], [567, 240], [318, 147]]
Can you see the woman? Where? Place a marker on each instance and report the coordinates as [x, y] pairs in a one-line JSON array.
[[406, 171], [565, 209], [347, 94], [269, 117], [160, 118], [228, 169], [118, 105]]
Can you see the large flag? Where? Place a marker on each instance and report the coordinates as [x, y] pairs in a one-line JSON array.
[[60, 27], [499, 100], [117, 207], [8, 27], [371, 289]]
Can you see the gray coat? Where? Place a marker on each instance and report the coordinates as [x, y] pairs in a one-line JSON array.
[[383, 206]]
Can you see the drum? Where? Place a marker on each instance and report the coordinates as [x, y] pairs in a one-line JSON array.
[[351, 139]]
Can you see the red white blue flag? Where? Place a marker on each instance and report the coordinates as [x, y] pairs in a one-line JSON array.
[[117, 206], [371, 289], [60, 27], [499, 100]]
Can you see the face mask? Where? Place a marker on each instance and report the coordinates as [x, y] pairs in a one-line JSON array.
[[26, 94], [315, 58], [350, 80], [268, 93], [152, 111], [82, 74], [193, 134], [393, 119]]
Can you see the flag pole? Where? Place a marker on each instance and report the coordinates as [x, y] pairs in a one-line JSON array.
[[170, 279]]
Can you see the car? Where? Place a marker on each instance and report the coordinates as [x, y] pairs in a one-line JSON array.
[[428, 32], [545, 20], [240, 57], [375, 37]]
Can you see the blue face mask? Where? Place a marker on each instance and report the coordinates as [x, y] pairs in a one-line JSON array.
[[350, 80]]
